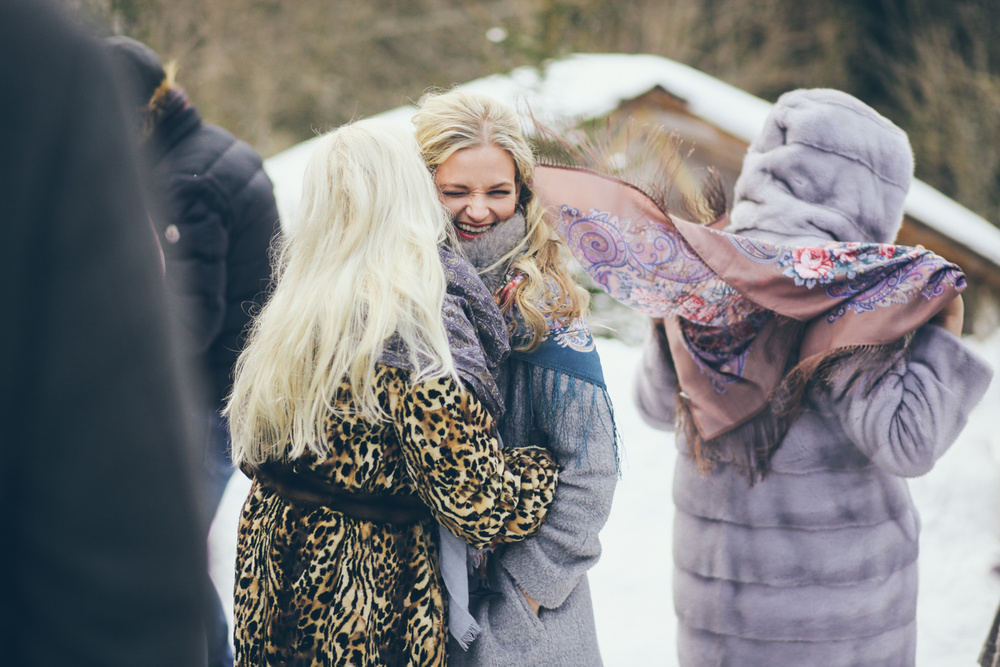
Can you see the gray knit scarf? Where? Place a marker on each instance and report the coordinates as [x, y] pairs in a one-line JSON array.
[[477, 336]]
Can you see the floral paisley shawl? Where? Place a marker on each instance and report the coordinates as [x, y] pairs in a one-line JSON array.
[[739, 307]]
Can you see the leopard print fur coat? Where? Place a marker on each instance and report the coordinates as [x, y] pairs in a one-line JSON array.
[[315, 586]]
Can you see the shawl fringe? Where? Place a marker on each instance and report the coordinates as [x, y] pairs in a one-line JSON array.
[[553, 410], [751, 445]]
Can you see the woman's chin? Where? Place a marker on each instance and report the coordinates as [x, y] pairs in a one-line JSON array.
[[486, 248]]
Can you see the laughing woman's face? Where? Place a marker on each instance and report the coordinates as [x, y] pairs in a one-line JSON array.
[[478, 186]]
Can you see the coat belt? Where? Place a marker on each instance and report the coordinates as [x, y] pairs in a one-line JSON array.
[[310, 492]]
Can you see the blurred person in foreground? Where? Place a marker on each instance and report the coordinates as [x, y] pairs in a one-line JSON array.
[[214, 212], [364, 408], [102, 541]]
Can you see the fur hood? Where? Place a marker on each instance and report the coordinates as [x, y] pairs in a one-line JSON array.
[[826, 166]]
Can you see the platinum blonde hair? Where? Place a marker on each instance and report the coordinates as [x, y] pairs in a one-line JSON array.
[[451, 121], [360, 265]]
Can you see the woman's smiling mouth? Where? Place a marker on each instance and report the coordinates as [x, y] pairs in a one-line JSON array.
[[469, 230]]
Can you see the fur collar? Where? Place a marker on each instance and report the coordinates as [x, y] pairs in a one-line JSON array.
[[487, 250]]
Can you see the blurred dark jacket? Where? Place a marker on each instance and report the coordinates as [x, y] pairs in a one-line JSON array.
[[102, 543], [217, 216]]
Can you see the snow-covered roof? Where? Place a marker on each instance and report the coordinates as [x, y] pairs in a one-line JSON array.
[[587, 86]]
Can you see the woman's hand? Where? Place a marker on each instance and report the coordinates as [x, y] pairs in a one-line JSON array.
[[952, 316], [531, 601]]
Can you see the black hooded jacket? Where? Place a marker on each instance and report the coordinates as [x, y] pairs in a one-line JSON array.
[[215, 216]]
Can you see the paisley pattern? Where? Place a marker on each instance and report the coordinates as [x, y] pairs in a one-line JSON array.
[[650, 268], [721, 352], [739, 308], [657, 271], [575, 336]]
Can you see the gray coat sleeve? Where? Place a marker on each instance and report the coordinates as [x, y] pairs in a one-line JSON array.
[[654, 387], [915, 412], [549, 566]]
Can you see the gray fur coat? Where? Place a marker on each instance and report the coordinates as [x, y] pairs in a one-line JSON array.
[[817, 564]]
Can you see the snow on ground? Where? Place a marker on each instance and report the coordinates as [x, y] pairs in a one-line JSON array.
[[960, 542]]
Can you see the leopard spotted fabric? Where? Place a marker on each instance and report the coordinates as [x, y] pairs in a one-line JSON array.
[[316, 587]]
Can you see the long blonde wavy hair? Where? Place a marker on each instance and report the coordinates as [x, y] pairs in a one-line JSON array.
[[360, 264], [451, 121]]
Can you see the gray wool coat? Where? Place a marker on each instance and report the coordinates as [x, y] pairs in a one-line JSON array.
[[817, 563], [551, 567]]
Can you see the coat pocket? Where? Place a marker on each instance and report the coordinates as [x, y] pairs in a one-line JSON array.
[[511, 617]]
